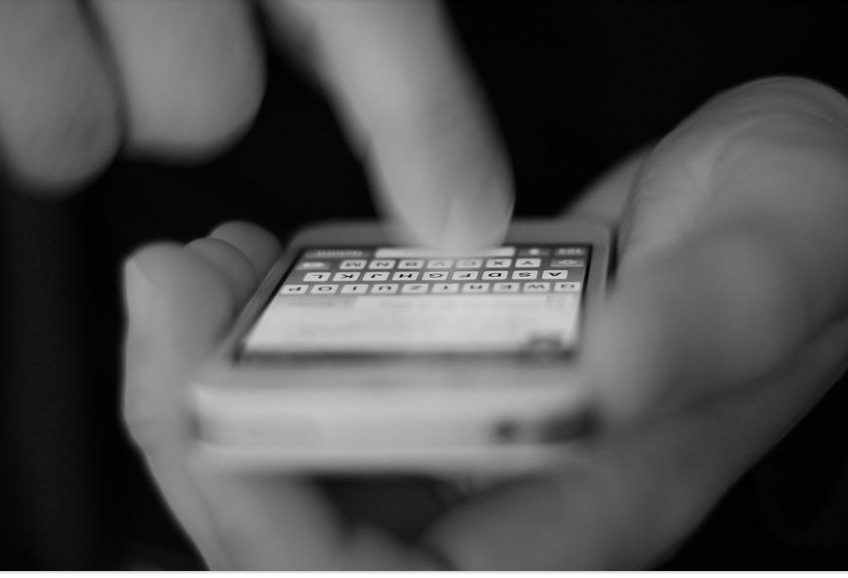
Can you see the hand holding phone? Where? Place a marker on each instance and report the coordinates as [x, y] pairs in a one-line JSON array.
[[360, 355]]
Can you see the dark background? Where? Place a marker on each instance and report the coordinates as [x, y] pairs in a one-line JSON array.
[[574, 86]]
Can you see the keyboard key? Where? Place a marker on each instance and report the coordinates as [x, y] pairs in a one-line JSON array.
[[528, 263], [406, 273], [525, 275], [469, 263], [498, 263], [384, 288], [354, 288], [329, 253], [405, 276], [411, 264], [294, 289], [568, 263], [375, 276], [434, 276], [494, 275], [533, 252], [317, 277], [464, 276], [506, 287], [313, 265], [414, 288], [475, 288], [445, 287], [324, 289], [440, 263], [569, 251]]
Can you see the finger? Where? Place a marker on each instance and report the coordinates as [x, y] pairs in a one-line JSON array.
[[178, 302], [259, 246], [606, 199], [277, 522], [414, 113], [58, 110], [632, 499], [177, 305], [218, 276], [241, 252], [728, 251], [735, 152], [265, 521], [192, 72], [235, 269]]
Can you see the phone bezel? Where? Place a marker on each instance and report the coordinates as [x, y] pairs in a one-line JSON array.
[[454, 398]]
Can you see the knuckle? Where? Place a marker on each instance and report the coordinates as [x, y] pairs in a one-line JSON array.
[[782, 100]]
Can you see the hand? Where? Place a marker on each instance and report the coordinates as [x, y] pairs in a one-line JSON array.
[[182, 79], [179, 301], [725, 325]]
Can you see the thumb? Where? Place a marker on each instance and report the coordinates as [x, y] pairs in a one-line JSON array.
[[727, 249]]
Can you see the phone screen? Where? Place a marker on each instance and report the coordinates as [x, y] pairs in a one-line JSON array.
[[394, 300]]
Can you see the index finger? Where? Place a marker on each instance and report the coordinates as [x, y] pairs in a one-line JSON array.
[[414, 112]]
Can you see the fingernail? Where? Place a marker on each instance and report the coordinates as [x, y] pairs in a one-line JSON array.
[[139, 298]]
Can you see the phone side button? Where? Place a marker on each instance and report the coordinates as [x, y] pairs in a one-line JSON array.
[[556, 430], [569, 428]]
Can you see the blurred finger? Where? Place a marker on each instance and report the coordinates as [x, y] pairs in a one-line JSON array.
[[241, 252], [630, 500], [742, 149], [414, 113], [727, 251], [59, 121], [606, 199], [259, 246], [192, 72], [235, 269], [178, 303], [277, 522]]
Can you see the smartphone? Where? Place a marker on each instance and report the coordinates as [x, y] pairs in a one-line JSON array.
[[361, 355]]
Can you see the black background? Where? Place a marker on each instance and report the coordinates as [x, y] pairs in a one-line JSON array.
[[573, 85]]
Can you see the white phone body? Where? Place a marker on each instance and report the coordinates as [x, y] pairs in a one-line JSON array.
[[372, 393]]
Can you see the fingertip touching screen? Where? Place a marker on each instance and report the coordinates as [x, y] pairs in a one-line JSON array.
[[395, 300]]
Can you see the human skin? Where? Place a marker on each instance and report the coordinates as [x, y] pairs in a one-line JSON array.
[[705, 355], [181, 80]]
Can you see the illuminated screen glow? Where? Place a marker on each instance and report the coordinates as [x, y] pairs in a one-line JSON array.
[[368, 300]]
